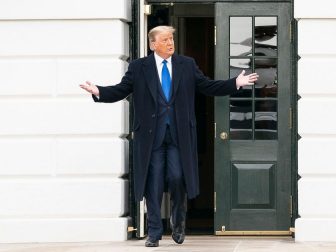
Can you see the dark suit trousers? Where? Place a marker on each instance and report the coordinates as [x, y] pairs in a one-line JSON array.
[[165, 166]]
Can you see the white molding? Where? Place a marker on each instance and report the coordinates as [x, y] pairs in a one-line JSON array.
[[66, 116], [322, 82], [65, 9], [315, 229], [316, 37], [64, 38], [314, 9], [63, 230], [316, 115], [63, 197]]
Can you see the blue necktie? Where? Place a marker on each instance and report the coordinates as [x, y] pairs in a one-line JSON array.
[[165, 80]]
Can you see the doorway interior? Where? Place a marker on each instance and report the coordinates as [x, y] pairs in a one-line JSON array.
[[194, 37]]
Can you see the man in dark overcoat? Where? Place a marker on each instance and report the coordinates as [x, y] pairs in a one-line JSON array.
[[165, 144]]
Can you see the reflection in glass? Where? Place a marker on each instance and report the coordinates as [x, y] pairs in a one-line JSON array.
[[265, 36], [240, 36], [266, 85], [266, 117], [236, 66], [241, 120]]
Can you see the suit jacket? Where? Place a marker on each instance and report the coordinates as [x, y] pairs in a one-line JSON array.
[[141, 79], [165, 113]]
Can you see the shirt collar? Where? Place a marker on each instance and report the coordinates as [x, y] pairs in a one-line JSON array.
[[159, 59]]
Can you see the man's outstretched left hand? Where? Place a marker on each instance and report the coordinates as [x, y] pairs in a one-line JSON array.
[[246, 80]]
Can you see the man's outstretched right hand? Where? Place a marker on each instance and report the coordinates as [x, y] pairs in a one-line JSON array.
[[91, 88]]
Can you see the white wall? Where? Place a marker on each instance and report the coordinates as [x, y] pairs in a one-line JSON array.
[[317, 123], [61, 154]]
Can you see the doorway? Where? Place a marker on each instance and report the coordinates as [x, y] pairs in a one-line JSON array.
[[188, 42], [245, 151], [200, 214]]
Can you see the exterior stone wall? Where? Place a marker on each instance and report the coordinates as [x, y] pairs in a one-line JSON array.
[[317, 87], [62, 155]]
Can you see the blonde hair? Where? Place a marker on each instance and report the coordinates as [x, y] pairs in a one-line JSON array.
[[157, 30]]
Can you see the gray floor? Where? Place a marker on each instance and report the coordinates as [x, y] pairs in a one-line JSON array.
[[191, 244]]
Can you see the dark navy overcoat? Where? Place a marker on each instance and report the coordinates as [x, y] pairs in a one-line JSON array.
[[141, 79]]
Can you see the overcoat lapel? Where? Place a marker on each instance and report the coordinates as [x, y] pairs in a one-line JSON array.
[[177, 72], [151, 75]]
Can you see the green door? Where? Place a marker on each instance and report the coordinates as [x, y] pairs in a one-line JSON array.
[[253, 127]]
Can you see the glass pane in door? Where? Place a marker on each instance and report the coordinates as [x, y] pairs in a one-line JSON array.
[[240, 36], [265, 36], [236, 67], [267, 84], [266, 117], [241, 119]]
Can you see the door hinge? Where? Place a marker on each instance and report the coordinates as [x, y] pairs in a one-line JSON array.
[[215, 129], [290, 31], [147, 9], [290, 119], [291, 205], [131, 229], [215, 203], [215, 35]]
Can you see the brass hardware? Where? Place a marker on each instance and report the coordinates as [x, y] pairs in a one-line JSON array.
[[256, 233], [291, 205], [291, 29], [215, 130], [165, 4], [215, 34], [290, 118], [290, 32], [147, 9], [215, 201], [131, 229], [141, 224], [292, 229], [223, 135]]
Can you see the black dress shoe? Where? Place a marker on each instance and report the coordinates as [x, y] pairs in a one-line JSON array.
[[152, 243], [178, 237], [178, 233]]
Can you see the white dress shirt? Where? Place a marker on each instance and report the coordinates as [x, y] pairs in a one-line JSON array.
[[159, 65]]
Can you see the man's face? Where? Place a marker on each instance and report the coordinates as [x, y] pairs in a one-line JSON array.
[[164, 44]]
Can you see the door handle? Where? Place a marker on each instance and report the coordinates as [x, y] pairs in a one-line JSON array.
[[223, 135]]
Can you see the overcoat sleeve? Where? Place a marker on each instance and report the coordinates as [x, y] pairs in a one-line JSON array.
[[117, 92], [213, 87]]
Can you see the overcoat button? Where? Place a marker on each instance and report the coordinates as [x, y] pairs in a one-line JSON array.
[[153, 115], [150, 131]]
